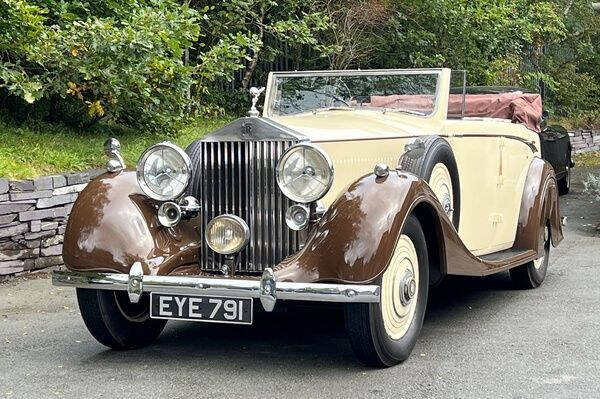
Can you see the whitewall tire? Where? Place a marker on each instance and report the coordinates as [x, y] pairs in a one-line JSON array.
[[431, 158], [384, 334], [532, 274]]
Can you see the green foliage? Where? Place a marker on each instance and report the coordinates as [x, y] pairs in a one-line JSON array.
[[240, 32], [20, 23], [589, 120], [479, 36], [122, 66], [573, 65], [587, 159], [152, 63]]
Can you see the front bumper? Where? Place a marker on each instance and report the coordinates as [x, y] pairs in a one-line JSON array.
[[267, 289]]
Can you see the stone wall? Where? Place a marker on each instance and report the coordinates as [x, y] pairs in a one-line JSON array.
[[585, 140], [33, 215]]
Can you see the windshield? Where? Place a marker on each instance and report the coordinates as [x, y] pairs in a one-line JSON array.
[[411, 92]]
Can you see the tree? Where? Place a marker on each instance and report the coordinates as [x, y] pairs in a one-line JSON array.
[[358, 26], [255, 31], [572, 66], [483, 37]]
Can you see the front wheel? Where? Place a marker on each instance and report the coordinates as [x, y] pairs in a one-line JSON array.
[[116, 322], [384, 334]]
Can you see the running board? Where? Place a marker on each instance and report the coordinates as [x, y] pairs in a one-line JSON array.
[[507, 254], [507, 259]]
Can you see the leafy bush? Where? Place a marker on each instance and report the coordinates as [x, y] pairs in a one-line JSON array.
[[125, 66], [145, 62]]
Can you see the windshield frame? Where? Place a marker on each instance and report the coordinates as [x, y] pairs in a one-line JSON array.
[[271, 83]]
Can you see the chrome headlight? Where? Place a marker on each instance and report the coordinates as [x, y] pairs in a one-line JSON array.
[[304, 173], [163, 171], [227, 234]]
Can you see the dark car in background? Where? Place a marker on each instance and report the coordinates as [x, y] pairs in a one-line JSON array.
[[556, 149]]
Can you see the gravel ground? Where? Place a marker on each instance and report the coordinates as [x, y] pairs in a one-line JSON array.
[[480, 339]]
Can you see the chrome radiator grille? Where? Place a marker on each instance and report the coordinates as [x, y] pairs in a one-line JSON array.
[[238, 177]]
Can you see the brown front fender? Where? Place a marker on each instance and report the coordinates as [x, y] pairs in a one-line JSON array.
[[112, 225], [354, 240]]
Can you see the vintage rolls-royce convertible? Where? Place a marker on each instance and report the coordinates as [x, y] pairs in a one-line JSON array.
[[358, 187]]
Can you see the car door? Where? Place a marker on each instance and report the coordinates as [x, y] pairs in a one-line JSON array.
[[477, 155], [516, 156], [493, 159]]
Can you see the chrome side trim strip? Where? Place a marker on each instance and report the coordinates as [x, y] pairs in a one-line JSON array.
[[268, 290]]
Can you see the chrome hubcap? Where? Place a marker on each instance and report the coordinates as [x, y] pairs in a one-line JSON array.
[[447, 204], [409, 288]]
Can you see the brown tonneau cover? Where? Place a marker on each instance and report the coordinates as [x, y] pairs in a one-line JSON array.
[[524, 108]]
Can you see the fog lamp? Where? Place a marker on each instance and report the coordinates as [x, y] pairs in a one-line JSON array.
[[297, 216], [227, 234]]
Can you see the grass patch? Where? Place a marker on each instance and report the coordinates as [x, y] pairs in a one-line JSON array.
[[588, 159], [587, 120], [37, 148]]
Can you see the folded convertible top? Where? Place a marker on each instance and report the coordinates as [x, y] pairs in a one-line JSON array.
[[524, 108]]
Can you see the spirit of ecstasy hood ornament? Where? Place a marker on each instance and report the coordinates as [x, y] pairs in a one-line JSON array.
[[255, 92]]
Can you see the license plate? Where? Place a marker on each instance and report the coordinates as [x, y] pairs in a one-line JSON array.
[[201, 308]]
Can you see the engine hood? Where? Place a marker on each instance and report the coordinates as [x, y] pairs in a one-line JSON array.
[[342, 125]]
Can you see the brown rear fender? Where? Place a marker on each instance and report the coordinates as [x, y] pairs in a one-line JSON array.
[[539, 206], [112, 225]]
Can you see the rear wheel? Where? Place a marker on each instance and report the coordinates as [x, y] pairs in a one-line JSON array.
[[116, 322], [532, 274], [384, 334]]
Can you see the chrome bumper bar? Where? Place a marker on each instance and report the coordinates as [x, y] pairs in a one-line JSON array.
[[267, 289]]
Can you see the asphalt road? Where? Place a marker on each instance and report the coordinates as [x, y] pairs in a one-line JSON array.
[[480, 339]]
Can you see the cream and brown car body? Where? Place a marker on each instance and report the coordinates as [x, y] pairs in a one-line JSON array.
[[505, 196]]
